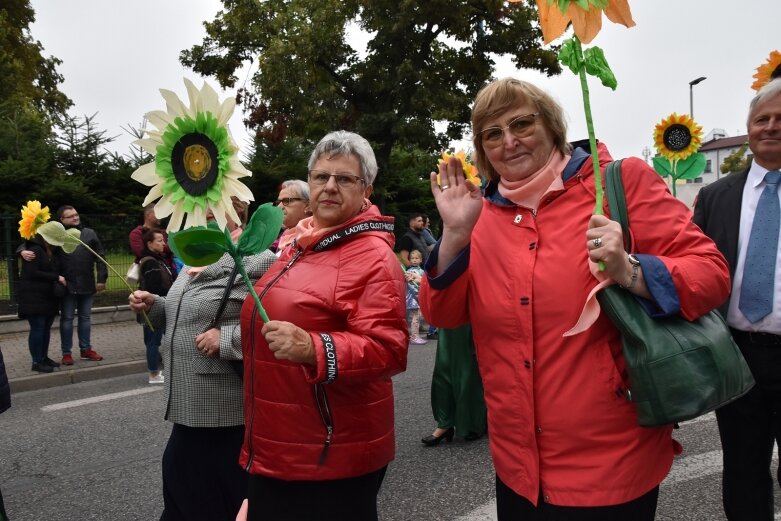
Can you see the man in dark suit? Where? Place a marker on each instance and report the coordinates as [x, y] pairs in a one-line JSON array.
[[733, 211]]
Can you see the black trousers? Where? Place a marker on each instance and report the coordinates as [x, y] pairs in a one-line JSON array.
[[350, 499], [749, 427], [202, 478], [512, 507]]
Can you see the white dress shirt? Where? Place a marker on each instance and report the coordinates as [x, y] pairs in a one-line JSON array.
[[755, 184]]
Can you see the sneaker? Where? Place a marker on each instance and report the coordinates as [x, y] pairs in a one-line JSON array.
[[51, 363], [417, 340], [42, 368], [90, 354], [67, 359], [159, 379]]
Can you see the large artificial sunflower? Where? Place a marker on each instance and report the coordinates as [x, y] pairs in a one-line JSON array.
[[769, 70], [677, 137], [470, 170], [33, 216], [585, 15], [196, 166]]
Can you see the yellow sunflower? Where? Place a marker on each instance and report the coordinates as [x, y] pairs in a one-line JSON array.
[[33, 216], [586, 21], [196, 166], [769, 70], [677, 137], [470, 170]]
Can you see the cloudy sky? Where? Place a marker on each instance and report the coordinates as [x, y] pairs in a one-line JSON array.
[[117, 54]]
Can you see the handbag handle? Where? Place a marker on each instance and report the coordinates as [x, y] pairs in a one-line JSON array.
[[616, 200]]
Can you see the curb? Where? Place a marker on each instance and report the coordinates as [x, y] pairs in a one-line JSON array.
[[73, 376]]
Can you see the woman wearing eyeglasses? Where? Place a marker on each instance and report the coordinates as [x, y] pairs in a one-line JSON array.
[[293, 199], [318, 392], [515, 262]]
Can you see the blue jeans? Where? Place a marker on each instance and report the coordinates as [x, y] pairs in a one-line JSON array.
[[152, 341], [40, 332], [69, 305]]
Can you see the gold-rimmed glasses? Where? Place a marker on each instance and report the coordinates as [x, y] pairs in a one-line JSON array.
[[520, 127]]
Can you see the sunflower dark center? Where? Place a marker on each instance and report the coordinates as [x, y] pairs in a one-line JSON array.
[[195, 163], [677, 137]]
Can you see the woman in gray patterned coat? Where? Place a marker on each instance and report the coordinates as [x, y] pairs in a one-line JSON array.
[[203, 388]]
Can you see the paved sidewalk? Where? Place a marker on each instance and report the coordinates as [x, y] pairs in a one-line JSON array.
[[116, 336]]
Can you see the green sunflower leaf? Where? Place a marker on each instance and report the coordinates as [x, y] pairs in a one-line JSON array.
[[596, 65], [691, 167], [662, 166], [54, 233], [72, 240], [262, 229], [569, 56], [600, 4], [583, 4], [198, 246]]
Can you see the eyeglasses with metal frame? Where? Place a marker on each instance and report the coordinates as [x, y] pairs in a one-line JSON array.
[[343, 179], [520, 127]]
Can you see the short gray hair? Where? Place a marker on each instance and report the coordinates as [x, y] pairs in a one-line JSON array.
[[343, 143], [770, 90], [296, 187]]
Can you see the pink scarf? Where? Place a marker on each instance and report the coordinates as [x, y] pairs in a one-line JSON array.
[[306, 233], [528, 192]]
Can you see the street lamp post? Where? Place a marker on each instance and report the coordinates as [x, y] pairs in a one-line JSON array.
[[691, 94]]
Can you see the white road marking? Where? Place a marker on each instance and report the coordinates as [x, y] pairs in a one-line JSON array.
[[97, 399]]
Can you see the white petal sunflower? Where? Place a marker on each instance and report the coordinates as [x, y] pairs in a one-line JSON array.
[[196, 166]]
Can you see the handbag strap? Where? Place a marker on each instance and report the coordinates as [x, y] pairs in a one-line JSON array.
[[224, 300], [616, 200]]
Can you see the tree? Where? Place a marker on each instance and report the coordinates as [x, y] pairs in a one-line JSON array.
[[424, 63], [736, 161], [30, 102]]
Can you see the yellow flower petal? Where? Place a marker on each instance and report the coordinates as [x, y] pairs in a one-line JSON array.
[[586, 22]]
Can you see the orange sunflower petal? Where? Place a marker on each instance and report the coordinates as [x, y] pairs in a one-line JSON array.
[[587, 24], [617, 11], [765, 71], [552, 22]]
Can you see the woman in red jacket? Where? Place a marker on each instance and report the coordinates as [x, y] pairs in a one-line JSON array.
[[514, 262], [318, 392]]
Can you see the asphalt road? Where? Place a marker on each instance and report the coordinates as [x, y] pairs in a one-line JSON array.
[[91, 451]]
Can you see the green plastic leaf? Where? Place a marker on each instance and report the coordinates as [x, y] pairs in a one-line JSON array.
[[198, 246], [262, 229], [596, 65], [662, 166], [691, 167], [569, 56], [72, 240], [53, 232], [599, 4], [583, 4]]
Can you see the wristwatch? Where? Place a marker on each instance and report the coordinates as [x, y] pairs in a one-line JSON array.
[[635, 267]]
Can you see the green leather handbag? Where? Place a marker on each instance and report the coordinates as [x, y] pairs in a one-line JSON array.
[[677, 369]]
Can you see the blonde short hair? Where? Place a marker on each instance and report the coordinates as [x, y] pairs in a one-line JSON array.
[[502, 95]]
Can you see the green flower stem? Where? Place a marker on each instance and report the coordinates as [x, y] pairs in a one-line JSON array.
[[673, 176], [109, 266], [592, 140], [248, 282]]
